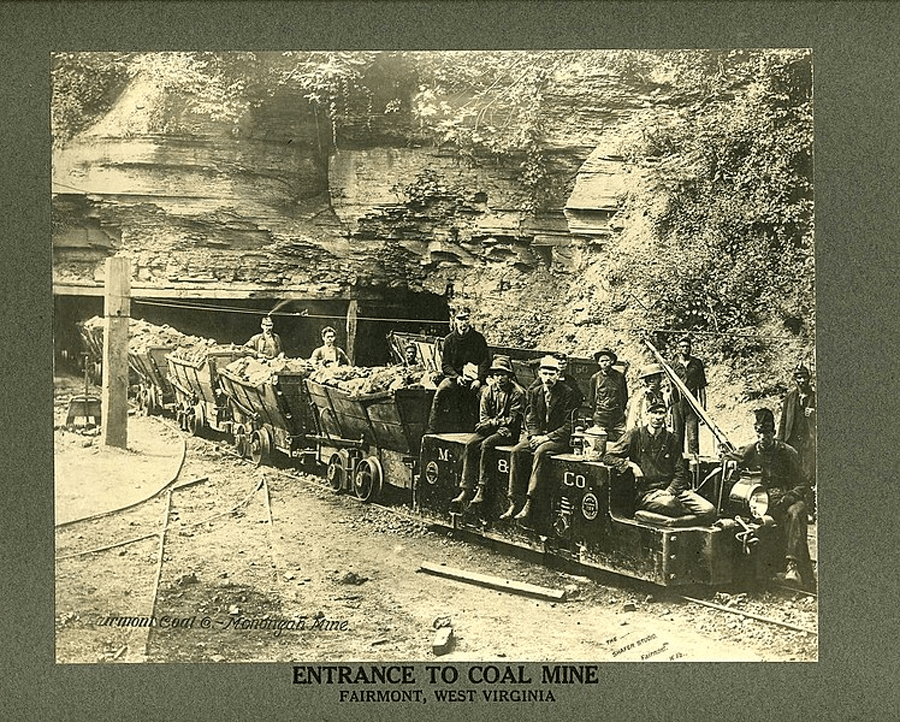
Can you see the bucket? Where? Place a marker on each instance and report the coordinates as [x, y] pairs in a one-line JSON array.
[[594, 443]]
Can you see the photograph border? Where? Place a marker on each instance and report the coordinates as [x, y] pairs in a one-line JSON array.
[[854, 61]]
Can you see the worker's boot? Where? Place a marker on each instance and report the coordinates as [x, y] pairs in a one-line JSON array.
[[526, 510], [508, 514], [479, 495], [461, 497], [792, 574]]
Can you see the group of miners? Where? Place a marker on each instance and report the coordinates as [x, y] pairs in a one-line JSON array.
[[651, 433], [267, 345]]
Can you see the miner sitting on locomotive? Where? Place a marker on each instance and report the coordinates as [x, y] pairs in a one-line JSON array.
[[500, 422], [548, 424], [654, 455], [783, 479], [457, 396], [265, 345]]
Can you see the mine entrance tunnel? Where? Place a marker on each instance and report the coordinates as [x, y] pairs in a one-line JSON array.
[[298, 321]]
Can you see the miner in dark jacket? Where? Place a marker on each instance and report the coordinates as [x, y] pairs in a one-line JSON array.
[[797, 426], [458, 394], [548, 427], [782, 476], [691, 371], [500, 422], [608, 395], [653, 453]]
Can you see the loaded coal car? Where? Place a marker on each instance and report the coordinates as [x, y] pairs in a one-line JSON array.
[[270, 408], [371, 422], [200, 400]]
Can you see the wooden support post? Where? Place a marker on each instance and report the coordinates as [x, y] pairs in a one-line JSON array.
[[352, 311], [117, 313]]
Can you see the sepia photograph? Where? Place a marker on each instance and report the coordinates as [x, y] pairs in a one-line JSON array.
[[491, 357]]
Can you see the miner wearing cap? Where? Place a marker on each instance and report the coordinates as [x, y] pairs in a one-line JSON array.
[[653, 390], [499, 422], [608, 395], [692, 372], [465, 361], [548, 426], [797, 426], [653, 454], [782, 476], [265, 345]]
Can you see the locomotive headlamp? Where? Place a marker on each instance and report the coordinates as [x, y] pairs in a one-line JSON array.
[[750, 495]]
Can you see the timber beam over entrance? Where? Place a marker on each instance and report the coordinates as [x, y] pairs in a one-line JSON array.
[[206, 291]]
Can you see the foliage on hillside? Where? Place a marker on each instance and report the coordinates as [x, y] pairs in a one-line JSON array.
[[726, 201]]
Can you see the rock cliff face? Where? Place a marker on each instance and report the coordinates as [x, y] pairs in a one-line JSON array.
[[270, 208]]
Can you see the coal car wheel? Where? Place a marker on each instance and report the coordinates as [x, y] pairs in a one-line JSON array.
[[259, 447], [367, 479], [196, 420], [336, 472]]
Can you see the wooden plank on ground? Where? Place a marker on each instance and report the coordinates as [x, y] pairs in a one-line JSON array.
[[491, 582]]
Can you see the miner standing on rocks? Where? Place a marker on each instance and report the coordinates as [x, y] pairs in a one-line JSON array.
[[608, 395], [653, 390], [265, 345], [691, 371], [465, 362]]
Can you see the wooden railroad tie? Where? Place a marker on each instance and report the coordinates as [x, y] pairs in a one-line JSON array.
[[491, 582]]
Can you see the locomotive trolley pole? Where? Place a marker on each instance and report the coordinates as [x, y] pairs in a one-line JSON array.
[[116, 314]]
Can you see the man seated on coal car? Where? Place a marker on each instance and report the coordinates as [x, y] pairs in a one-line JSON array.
[[654, 456], [608, 395], [465, 360], [499, 422], [782, 476], [329, 354], [548, 424], [265, 345]]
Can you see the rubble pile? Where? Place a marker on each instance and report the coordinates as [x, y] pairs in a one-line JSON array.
[[363, 380], [143, 335], [260, 371], [197, 354]]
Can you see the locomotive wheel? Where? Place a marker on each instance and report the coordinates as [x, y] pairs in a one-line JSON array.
[[336, 472], [259, 447], [367, 479]]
